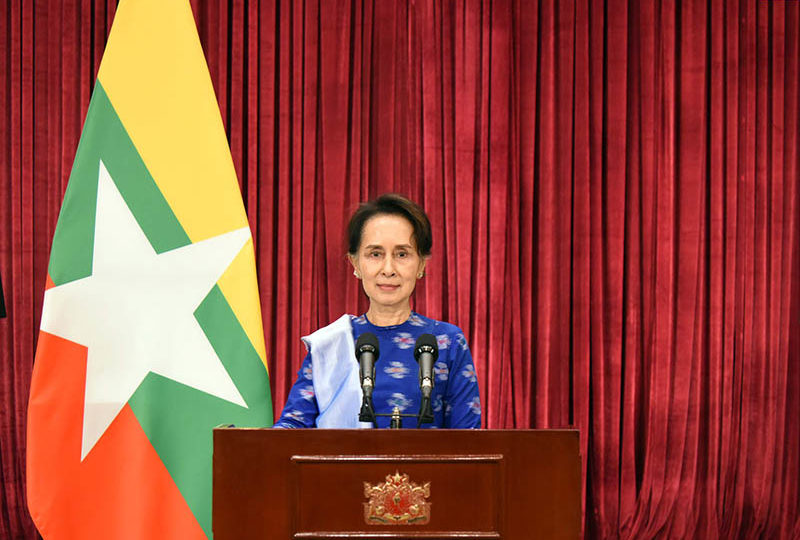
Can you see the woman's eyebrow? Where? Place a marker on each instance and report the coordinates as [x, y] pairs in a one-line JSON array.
[[377, 246]]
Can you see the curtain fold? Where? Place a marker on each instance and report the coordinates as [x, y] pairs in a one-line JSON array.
[[613, 187]]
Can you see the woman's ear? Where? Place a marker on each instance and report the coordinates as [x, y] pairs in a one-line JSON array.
[[423, 262], [352, 259]]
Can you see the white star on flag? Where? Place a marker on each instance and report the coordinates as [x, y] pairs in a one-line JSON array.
[[135, 313]]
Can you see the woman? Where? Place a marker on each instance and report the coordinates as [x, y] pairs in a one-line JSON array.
[[389, 244]]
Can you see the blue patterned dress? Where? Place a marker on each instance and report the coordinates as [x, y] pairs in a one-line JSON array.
[[455, 399]]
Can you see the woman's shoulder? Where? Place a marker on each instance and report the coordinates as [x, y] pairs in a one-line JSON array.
[[438, 328], [329, 334], [360, 320]]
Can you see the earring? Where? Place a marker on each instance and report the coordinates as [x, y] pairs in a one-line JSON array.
[[420, 275], [355, 273]]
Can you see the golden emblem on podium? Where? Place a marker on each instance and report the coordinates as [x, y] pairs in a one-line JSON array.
[[397, 501]]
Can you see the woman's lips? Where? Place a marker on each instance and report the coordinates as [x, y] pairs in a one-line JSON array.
[[388, 287]]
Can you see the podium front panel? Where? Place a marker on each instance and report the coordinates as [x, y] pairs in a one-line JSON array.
[[464, 492], [276, 483]]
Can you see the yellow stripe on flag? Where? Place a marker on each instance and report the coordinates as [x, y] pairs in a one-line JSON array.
[[243, 296], [161, 90]]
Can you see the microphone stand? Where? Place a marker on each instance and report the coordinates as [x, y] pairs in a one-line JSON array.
[[396, 416], [425, 415], [367, 413]]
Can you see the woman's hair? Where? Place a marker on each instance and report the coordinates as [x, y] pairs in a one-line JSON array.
[[395, 205]]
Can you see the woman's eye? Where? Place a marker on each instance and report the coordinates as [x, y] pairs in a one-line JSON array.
[[402, 254]]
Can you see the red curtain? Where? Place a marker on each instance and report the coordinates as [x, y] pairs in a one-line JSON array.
[[613, 187]]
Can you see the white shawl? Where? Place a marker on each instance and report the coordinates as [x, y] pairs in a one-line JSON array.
[[335, 375]]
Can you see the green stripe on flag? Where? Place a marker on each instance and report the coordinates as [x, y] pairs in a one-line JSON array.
[[178, 420], [104, 138]]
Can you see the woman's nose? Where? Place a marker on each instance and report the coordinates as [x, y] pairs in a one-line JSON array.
[[388, 267]]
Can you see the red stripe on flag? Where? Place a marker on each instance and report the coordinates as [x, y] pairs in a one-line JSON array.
[[121, 490]]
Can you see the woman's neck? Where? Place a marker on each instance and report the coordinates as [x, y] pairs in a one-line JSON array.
[[384, 316]]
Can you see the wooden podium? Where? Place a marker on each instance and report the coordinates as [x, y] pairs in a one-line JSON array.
[[323, 483]]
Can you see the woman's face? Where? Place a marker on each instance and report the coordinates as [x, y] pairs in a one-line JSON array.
[[387, 261]]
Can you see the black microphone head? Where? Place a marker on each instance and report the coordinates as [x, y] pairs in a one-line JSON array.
[[426, 343], [367, 342]]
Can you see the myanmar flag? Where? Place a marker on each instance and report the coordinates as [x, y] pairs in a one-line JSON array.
[[151, 328]]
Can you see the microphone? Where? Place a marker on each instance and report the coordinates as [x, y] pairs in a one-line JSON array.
[[426, 351], [367, 353]]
